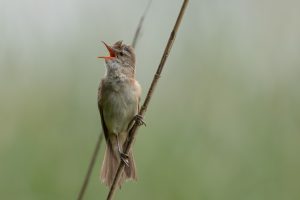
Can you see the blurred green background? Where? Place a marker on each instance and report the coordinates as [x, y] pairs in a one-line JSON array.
[[224, 122]]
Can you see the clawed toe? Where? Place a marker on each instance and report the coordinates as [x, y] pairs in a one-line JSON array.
[[124, 158], [124, 155], [139, 120]]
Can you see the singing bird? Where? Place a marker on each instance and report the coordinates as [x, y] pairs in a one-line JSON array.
[[118, 102]]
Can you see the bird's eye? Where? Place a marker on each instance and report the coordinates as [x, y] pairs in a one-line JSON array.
[[121, 53], [126, 49]]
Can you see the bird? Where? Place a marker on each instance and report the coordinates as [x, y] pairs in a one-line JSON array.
[[119, 95]]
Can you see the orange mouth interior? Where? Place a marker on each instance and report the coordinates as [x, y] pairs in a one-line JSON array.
[[112, 53]]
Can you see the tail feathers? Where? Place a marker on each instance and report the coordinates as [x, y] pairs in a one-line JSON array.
[[110, 166]]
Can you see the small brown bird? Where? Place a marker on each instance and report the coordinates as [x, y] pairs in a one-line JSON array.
[[118, 103]]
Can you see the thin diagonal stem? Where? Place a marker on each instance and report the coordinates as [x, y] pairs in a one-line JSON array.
[[90, 168], [138, 30], [142, 112]]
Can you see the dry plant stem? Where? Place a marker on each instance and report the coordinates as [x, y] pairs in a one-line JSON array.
[[135, 127], [100, 138], [138, 30], [91, 166]]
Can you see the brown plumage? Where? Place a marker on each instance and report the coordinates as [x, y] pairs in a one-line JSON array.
[[118, 103]]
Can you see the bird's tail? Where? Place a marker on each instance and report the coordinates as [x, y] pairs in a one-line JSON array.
[[110, 166]]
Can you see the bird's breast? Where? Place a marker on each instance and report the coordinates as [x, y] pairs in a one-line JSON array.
[[120, 104]]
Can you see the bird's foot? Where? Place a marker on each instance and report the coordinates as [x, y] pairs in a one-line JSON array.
[[124, 158], [139, 120]]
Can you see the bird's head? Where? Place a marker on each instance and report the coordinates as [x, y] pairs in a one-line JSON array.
[[120, 53]]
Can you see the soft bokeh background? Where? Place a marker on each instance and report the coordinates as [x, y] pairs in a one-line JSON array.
[[224, 122]]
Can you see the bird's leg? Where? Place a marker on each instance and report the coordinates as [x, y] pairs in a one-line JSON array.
[[123, 156]]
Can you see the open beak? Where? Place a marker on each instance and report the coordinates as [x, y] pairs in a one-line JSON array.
[[111, 51]]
